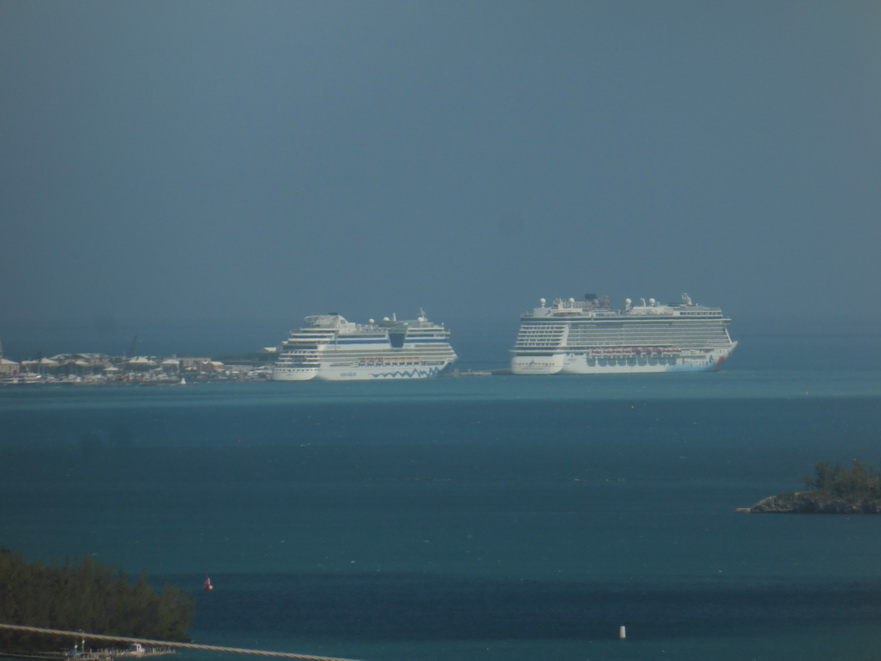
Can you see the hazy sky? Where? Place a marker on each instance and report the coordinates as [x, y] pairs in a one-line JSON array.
[[227, 159]]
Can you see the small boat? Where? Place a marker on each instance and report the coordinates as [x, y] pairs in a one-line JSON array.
[[208, 585]]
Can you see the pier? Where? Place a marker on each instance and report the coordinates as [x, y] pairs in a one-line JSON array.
[[146, 643]]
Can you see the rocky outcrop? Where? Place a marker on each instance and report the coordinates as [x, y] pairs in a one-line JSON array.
[[816, 502]]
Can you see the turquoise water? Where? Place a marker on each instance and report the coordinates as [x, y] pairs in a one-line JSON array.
[[515, 518]]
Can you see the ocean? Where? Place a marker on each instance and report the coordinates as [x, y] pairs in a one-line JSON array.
[[474, 518]]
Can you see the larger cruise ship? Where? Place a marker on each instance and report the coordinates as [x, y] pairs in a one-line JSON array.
[[329, 347], [589, 337]]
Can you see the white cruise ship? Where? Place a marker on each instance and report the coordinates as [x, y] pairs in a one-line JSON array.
[[329, 347], [589, 337]]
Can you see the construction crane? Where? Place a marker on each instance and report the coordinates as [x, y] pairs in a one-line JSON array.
[[133, 347]]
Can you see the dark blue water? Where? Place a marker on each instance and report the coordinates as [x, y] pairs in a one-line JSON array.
[[514, 518]]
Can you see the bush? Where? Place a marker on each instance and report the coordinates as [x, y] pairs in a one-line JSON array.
[[859, 481], [85, 595]]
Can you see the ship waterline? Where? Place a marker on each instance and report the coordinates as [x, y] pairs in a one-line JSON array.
[[590, 337], [328, 347]]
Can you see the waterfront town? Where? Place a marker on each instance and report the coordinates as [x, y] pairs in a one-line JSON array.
[[102, 369]]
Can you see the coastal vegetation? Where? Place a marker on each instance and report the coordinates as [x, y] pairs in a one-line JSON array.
[[831, 489], [859, 481], [85, 595]]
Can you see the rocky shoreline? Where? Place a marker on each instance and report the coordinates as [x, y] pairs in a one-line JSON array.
[[813, 502]]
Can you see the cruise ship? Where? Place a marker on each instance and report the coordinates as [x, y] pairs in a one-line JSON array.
[[590, 337], [330, 348]]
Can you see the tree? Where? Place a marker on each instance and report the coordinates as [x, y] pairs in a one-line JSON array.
[[859, 481], [85, 595]]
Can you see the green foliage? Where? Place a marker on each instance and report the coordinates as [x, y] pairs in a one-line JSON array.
[[859, 481], [85, 595]]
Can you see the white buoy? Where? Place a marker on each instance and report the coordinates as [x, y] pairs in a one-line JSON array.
[[622, 632]]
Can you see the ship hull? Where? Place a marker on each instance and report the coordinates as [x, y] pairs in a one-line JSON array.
[[624, 362], [584, 365], [348, 373], [537, 364], [286, 373], [331, 372], [373, 371]]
